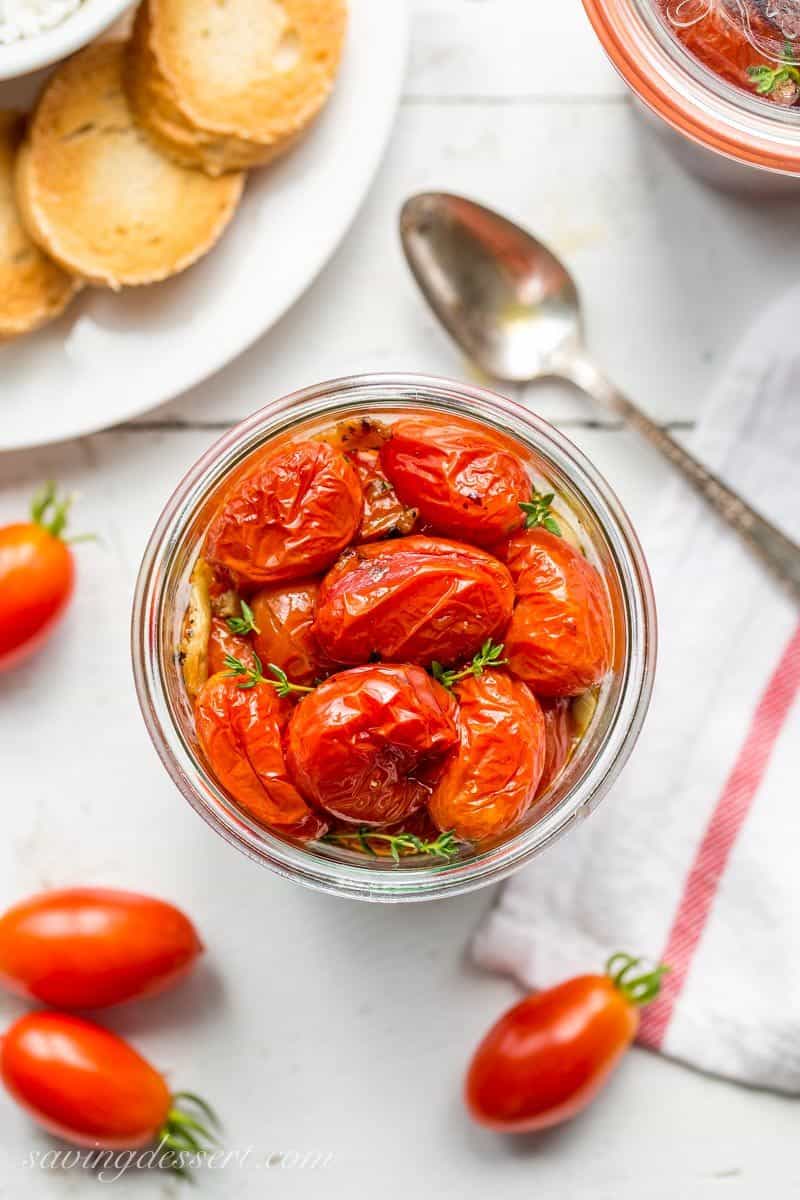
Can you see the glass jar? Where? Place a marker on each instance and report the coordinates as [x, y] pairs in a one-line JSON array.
[[718, 130], [160, 603]]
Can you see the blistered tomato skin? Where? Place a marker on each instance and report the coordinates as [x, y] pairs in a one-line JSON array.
[[415, 599], [384, 513], [289, 517], [465, 483], [222, 644], [491, 779], [549, 1056], [560, 638], [240, 733], [284, 616], [83, 1083], [93, 947], [362, 745]]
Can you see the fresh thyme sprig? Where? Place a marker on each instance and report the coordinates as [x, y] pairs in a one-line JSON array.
[[768, 79], [250, 676], [538, 512], [445, 845], [489, 655], [246, 623]]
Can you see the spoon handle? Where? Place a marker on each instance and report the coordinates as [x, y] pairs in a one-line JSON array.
[[777, 551]]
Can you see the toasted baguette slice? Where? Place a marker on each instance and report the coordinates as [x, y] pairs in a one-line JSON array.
[[230, 86], [96, 195], [33, 289]]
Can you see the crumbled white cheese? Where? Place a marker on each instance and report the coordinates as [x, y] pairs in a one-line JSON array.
[[25, 18]]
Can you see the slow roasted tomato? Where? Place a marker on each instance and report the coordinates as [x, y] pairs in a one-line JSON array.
[[240, 733], [86, 1085], [222, 643], [490, 780], [415, 599], [560, 638], [284, 615], [289, 517], [91, 947], [384, 513], [558, 729], [547, 1058], [360, 746], [465, 482]]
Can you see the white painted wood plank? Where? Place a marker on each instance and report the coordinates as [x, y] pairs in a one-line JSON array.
[[507, 48]]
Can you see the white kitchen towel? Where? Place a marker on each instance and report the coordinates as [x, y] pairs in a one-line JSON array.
[[694, 858]]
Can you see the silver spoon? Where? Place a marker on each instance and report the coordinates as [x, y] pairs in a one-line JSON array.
[[514, 309]]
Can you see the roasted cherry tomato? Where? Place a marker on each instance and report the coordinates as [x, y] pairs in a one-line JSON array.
[[91, 947], [88, 1086], [464, 481], [240, 732], [361, 744], [289, 517], [222, 644], [558, 738], [37, 576], [549, 1056], [284, 616], [491, 779], [560, 638], [384, 513], [415, 599]]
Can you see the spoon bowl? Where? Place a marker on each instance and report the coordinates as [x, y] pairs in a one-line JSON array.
[[501, 294]]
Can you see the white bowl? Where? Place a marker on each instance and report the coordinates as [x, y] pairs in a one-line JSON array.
[[28, 54]]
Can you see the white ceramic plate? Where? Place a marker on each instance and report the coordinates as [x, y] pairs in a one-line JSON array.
[[111, 357]]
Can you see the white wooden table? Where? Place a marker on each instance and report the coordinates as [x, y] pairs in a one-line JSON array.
[[331, 1028]]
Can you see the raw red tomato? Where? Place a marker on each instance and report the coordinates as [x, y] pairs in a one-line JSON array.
[[415, 599], [561, 636], [361, 744], [558, 740], [222, 644], [240, 733], [88, 1086], [549, 1056], [289, 517], [384, 514], [465, 482], [284, 616], [91, 947], [490, 780], [37, 576]]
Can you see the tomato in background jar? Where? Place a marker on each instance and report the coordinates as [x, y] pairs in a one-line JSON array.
[[416, 599], [490, 780], [362, 744], [240, 733], [289, 517], [465, 482], [560, 638]]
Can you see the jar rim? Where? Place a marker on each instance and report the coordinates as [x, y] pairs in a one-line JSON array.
[[377, 883], [688, 95]]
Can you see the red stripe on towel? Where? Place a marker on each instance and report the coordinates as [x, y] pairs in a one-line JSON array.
[[720, 837]]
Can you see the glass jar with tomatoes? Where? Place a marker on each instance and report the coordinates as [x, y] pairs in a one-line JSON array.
[[392, 635], [720, 80]]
